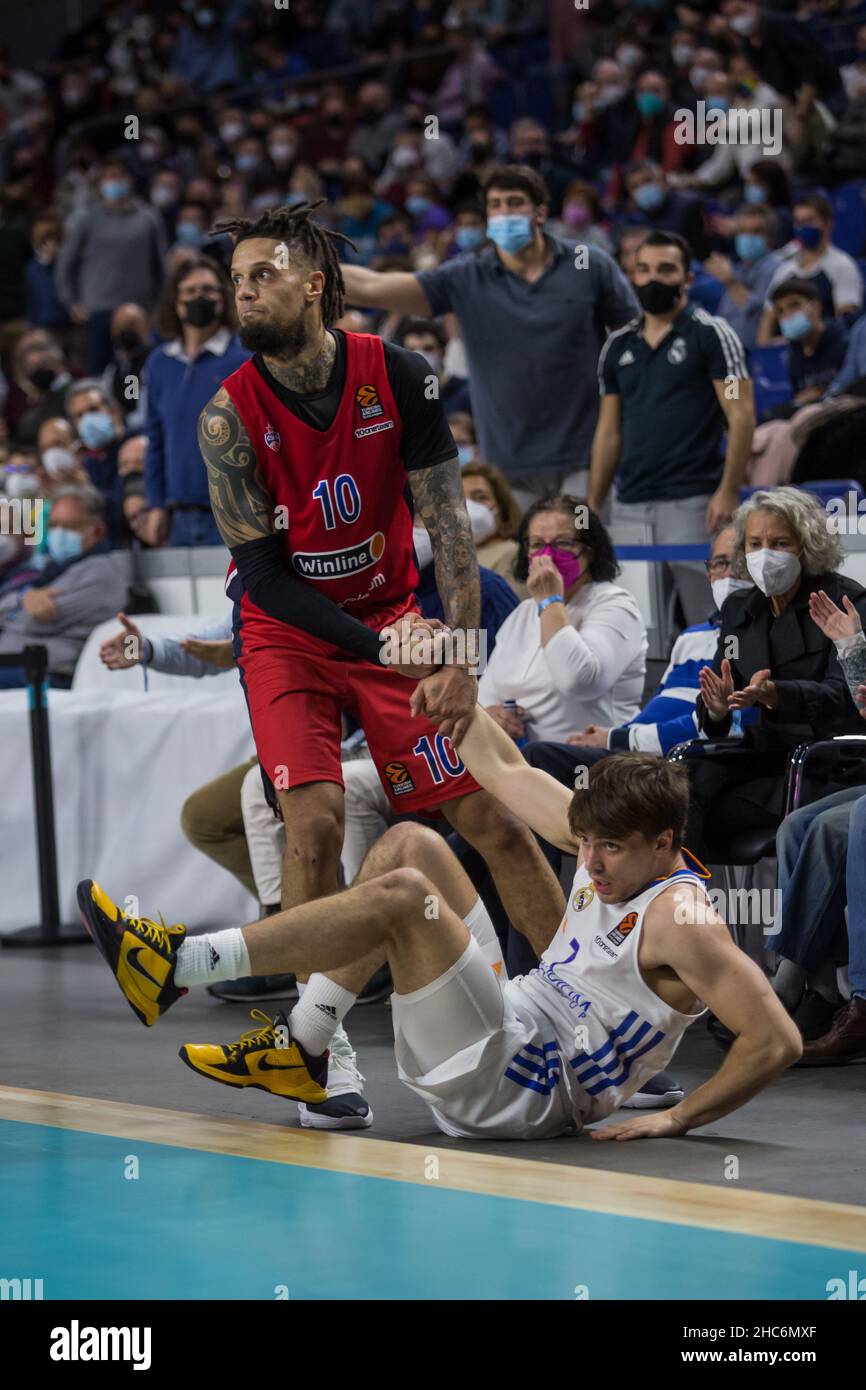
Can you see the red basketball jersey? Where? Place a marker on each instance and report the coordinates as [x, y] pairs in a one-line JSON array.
[[338, 493]]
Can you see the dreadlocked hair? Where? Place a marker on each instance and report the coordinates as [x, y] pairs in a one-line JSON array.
[[296, 227]]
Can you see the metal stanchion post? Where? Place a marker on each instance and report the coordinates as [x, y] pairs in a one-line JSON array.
[[50, 931]]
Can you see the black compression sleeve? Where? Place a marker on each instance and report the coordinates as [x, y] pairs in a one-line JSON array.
[[287, 597]]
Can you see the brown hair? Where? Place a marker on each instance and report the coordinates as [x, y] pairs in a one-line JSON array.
[[629, 792], [168, 324], [509, 510], [517, 178]]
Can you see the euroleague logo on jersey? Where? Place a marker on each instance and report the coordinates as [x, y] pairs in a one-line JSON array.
[[368, 401], [398, 776], [622, 929], [272, 437]]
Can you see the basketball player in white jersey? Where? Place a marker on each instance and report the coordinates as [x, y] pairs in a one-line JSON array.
[[639, 955]]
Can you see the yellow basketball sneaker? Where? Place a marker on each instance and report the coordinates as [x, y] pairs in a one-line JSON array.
[[142, 954], [265, 1060]]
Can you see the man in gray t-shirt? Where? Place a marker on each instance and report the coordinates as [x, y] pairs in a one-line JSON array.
[[534, 313]]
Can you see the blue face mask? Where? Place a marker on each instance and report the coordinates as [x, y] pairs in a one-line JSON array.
[[809, 237], [465, 454], [247, 162], [63, 545], [511, 233], [796, 325], [750, 246], [114, 190], [649, 103], [188, 234], [754, 193], [417, 205], [96, 429], [469, 238], [649, 196]]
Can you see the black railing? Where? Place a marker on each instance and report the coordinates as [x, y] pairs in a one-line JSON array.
[[49, 931]]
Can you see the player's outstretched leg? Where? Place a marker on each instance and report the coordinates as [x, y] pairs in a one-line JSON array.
[[267, 1058], [141, 953]]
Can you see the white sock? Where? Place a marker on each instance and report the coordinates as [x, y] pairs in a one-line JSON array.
[[481, 927], [322, 1005], [221, 955]]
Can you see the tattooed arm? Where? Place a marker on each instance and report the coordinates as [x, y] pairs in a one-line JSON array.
[[244, 512], [438, 496], [449, 695]]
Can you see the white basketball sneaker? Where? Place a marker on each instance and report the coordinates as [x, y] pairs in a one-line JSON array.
[[345, 1107]]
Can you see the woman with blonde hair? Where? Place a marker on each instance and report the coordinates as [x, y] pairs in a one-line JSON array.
[[494, 515]]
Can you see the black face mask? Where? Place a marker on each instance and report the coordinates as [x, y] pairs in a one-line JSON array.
[[656, 297], [201, 312], [128, 340], [43, 377]]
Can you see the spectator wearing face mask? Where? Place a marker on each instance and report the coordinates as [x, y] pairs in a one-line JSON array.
[[812, 256], [469, 231], [747, 277], [574, 653], [98, 422], [359, 212], [411, 154], [38, 386], [59, 452], [429, 339], [191, 231], [84, 585], [582, 218], [132, 342], [670, 383], [652, 203], [112, 253], [495, 518], [201, 349], [784, 52], [206, 52], [640, 127], [817, 349]]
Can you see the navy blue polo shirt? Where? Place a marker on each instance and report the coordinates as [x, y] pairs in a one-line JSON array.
[[818, 368], [672, 423]]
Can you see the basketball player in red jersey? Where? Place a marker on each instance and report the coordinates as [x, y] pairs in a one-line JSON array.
[[309, 449]]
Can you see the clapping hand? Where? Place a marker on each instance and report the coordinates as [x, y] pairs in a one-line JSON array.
[[831, 620], [716, 690]]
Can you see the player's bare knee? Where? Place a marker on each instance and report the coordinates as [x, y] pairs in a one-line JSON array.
[[403, 894], [408, 844]]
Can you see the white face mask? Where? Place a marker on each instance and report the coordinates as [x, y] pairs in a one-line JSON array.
[[773, 571], [423, 546], [481, 519], [434, 359], [744, 24], [723, 588], [21, 485], [57, 460]]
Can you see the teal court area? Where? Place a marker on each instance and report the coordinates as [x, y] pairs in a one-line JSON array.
[[196, 1224]]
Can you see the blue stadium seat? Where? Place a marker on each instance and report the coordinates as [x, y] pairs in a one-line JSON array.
[[849, 217], [770, 362]]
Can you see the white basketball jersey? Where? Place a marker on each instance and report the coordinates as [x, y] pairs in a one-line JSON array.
[[612, 1031]]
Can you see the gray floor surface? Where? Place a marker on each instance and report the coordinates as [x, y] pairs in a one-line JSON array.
[[65, 1027]]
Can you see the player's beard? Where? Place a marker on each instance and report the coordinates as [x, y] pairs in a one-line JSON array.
[[284, 340]]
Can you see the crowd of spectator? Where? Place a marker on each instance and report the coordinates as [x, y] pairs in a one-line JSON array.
[[472, 151]]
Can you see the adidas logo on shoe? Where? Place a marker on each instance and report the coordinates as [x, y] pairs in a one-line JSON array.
[[327, 1009], [214, 957]]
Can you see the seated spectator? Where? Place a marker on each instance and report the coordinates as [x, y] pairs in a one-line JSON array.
[[780, 663], [83, 586], [196, 319], [359, 212], [821, 850], [59, 452], [428, 338], [670, 716], [582, 218], [38, 386], [747, 277], [495, 518], [811, 256], [817, 348], [462, 427], [498, 599], [468, 231], [45, 309], [98, 422], [653, 204], [640, 126], [574, 653], [132, 342]]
